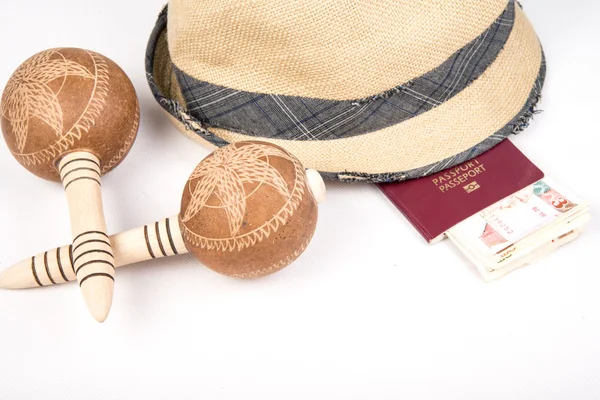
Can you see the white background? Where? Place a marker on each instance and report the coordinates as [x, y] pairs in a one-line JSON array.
[[368, 312]]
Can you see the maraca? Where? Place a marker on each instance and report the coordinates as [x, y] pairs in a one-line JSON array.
[[248, 210], [71, 115]]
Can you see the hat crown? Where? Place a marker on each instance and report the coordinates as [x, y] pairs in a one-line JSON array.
[[331, 49]]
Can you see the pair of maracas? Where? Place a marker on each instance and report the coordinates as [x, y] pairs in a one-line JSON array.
[[248, 209]]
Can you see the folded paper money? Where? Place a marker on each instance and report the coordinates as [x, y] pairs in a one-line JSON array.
[[438, 202], [521, 228]]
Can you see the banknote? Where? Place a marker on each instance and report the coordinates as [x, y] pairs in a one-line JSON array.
[[517, 216], [559, 202], [548, 237], [524, 252], [520, 228]]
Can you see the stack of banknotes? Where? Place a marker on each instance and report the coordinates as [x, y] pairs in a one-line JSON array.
[[521, 228]]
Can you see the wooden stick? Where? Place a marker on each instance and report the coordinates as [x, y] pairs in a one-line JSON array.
[[54, 267], [93, 260]]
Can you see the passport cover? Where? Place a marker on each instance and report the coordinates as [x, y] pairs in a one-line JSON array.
[[436, 203]]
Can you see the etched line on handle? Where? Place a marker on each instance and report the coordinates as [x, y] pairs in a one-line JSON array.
[[90, 233], [75, 160], [158, 239], [60, 267], [85, 264], [48, 268], [93, 251], [148, 242], [35, 275], [71, 258], [171, 242], [80, 169], [96, 275], [82, 178], [91, 241]]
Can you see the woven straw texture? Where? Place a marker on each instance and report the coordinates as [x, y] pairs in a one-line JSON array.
[[331, 49]]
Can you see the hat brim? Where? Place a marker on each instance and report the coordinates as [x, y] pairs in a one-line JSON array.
[[497, 104]]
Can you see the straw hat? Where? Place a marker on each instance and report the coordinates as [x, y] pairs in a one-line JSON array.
[[369, 90]]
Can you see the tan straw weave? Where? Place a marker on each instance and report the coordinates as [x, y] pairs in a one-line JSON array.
[[340, 50]]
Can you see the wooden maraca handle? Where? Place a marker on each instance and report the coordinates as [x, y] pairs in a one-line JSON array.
[[93, 260], [54, 267]]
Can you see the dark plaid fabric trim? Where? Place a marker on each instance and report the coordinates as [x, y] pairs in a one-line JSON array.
[[300, 118], [514, 127]]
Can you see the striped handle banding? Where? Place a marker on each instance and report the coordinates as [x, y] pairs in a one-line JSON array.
[[160, 238], [80, 168], [92, 253], [53, 267], [58, 266], [93, 258]]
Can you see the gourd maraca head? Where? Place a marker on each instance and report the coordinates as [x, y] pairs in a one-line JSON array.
[[64, 100], [247, 210]]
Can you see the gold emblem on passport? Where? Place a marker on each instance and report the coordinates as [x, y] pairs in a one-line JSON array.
[[471, 187], [457, 176]]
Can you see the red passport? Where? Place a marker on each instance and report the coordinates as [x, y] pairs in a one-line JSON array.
[[436, 203]]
